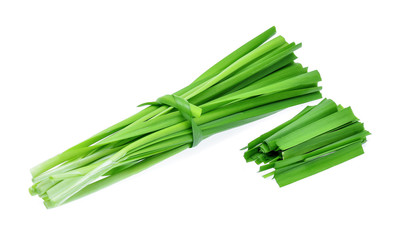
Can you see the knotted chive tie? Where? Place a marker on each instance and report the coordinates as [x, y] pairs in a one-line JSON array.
[[187, 110]]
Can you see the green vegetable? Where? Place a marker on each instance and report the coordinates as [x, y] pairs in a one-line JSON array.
[[256, 80], [316, 139]]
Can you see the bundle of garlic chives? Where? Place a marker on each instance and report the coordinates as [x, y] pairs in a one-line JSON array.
[[316, 139], [254, 81]]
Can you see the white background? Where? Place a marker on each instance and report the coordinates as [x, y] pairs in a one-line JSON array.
[[71, 68]]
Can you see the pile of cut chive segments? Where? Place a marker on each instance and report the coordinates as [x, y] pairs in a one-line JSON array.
[[317, 138]]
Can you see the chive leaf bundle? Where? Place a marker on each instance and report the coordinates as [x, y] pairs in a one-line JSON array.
[[258, 79], [316, 139]]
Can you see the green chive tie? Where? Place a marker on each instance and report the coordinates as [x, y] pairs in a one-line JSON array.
[[187, 110]]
